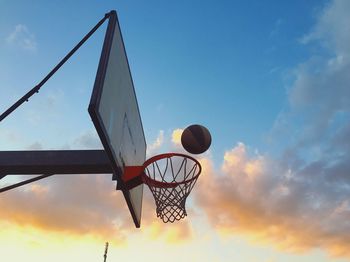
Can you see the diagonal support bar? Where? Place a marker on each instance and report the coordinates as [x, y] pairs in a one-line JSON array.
[[7, 188], [53, 71]]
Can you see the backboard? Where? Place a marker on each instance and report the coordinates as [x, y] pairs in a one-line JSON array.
[[114, 111]]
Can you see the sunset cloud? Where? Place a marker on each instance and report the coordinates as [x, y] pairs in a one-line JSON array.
[[72, 204], [253, 201], [83, 205], [176, 136], [89, 205], [268, 205]]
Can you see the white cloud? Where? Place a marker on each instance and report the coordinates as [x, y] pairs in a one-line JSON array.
[[35, 146], [9, 135], [87, 140], [22, 38], [332, 28], [157, 144], [256, 197], [319, 96]]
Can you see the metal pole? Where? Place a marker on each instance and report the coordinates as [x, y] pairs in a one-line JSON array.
[[63, 162], [105, 255], [23, 183], [37, 87]]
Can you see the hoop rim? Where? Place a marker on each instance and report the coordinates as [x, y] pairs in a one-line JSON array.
[[167, 155], [152, 182]]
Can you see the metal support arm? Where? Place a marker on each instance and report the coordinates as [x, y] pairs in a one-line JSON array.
[[31, 180], [54, 162], [53, 71]]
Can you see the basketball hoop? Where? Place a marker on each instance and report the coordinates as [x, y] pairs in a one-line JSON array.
[[170, 177]]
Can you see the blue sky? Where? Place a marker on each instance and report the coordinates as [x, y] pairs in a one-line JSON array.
[[269, 79], [205, 53]]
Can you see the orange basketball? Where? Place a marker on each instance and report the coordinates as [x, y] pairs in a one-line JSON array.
[[196, 139]]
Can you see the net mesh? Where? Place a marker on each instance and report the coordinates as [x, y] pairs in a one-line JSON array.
[[171, 177]]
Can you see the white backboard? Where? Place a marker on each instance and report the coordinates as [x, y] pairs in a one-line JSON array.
[[115, 114]]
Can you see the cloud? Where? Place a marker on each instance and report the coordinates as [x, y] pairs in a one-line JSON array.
[[22, 38], [298, 199], [321, 88], [84, 205], [155, 229], [72, 204], [166, 142], [176, 136], [157, 144], [296, 202], [87, 140], [319, 113], [252, 195], [317, 117], [11, 135], [331, 29], [35, 146], [319, 94]]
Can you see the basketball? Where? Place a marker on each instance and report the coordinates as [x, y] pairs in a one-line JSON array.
[[196, 139]]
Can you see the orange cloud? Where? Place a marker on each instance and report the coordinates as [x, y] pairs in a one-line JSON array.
[[72, 204], [250, 196], [176, 136], [154, 228], [83, 205]]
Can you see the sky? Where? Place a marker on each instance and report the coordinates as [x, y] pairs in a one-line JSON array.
[[269, 79]]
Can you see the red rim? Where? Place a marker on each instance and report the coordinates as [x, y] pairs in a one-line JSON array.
[[155, 183]]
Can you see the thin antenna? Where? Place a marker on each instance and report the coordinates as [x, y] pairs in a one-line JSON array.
[[105, 255]]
